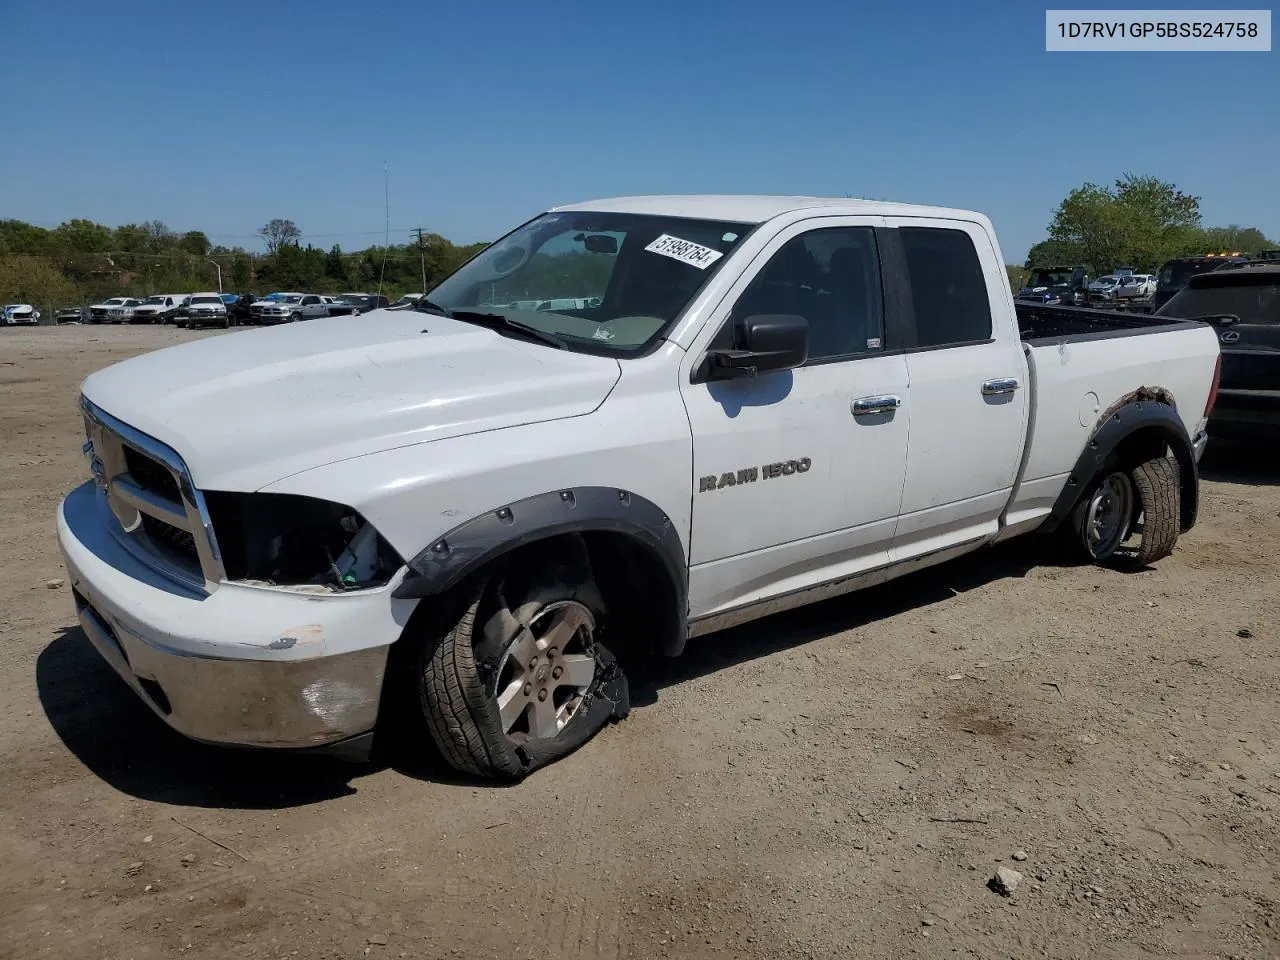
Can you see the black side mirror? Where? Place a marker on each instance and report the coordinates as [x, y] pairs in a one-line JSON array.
[[777, 341]]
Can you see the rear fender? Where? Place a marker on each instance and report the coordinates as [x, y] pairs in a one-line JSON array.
[[1141, 425]]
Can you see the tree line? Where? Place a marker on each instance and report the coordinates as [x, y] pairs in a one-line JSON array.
[[1138, 221], [81, 261]]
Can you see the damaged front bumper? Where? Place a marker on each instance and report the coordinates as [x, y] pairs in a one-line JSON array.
[[246, 665]]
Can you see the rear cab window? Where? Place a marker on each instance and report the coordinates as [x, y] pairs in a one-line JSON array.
[[949, 293]]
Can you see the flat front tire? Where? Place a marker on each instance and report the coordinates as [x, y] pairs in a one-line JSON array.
[[520, 678]]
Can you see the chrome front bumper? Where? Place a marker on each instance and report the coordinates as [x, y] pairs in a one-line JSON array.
[[257, 703], [246, 666]]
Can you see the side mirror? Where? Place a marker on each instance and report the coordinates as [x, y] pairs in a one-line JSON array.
[[778, 341]]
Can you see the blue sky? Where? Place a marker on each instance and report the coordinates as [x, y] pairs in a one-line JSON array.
[[220, 116]]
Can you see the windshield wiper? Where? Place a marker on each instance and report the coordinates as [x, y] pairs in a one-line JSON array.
[[497, 322]]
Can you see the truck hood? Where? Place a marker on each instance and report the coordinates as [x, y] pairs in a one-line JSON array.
[[250, 408]]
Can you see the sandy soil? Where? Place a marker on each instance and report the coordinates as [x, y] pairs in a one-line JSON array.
[[816, 785]]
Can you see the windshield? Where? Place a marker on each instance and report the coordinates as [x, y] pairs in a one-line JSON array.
[[113, 302], [1252, 302], [600, 282], [152, 300], [195, 300], [1043, 277], [293, 299], [1174, 275]]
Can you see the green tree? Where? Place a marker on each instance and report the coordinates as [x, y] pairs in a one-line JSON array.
[[130, 238], [1139, 220], [195, 243], [82, 236], [335, 268], [34, 280], [16, 236], [1235, 239], [241, 272]]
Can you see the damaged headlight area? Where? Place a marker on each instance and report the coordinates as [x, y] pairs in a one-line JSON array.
[[287, 540]]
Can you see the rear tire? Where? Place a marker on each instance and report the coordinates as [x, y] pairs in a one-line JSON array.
[[1144, 499], [519, 678], [1160, 500]]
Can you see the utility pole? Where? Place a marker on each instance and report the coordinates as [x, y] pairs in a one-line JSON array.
[[422, 254]]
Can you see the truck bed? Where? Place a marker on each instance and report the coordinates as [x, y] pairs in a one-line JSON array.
[[1081, 363], [1038, 323]]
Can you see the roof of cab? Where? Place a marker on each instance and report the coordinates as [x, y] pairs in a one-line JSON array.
[[758, 209]]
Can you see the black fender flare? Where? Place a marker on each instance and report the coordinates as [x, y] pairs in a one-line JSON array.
[[1153, 412], [449, 559]]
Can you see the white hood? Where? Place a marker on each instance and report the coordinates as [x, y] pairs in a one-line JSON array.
[[247, 409]]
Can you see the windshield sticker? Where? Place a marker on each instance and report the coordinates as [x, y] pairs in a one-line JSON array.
[[600, 333], [686, 251]]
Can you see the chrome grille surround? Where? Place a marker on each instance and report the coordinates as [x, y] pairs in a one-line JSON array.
[[131, 498]]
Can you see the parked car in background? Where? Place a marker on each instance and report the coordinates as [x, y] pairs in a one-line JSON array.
[[477, 502], [19, 314], [112, 310], [355, 304], [1135, 286], [1243, 303], [239, 306], [207, 310], [160, 308], [1067, 285], [289, 307], [69, 315], [1174, 274], [1104, 288]]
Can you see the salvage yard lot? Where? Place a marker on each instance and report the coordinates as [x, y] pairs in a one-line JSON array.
[[841, 781]]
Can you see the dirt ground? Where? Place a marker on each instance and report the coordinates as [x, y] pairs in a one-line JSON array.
[[837, 782]]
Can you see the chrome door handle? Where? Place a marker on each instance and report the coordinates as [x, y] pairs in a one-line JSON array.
[[993, 388], [866, 406]]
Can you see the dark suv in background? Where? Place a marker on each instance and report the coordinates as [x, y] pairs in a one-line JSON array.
[[357, 303], [1243, 303], [1174, 274]]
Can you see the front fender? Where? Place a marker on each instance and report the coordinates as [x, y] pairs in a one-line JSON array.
[[449, 559]]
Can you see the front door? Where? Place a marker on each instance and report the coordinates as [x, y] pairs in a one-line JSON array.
[[799, 473]]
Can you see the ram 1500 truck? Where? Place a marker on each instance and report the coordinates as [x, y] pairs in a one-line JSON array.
[[752, 403]]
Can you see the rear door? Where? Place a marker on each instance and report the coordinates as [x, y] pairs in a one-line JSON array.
[[798, 473], [969, 402]]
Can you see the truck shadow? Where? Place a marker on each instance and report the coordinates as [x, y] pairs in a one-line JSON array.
[[1255, 465], [781, 631], [119, 740]]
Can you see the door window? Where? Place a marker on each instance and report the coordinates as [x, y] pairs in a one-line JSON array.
[[831, 277], [947, 287]]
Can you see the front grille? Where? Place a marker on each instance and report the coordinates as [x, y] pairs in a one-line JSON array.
[[154, 509], [171, 538], [151, 475]]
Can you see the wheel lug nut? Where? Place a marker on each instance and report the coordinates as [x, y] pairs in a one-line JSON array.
[[533, 661], [556, 672], [542, 694], [528, 689], [551, 653]]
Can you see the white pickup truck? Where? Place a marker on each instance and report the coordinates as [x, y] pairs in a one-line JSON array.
[[758, 402]]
